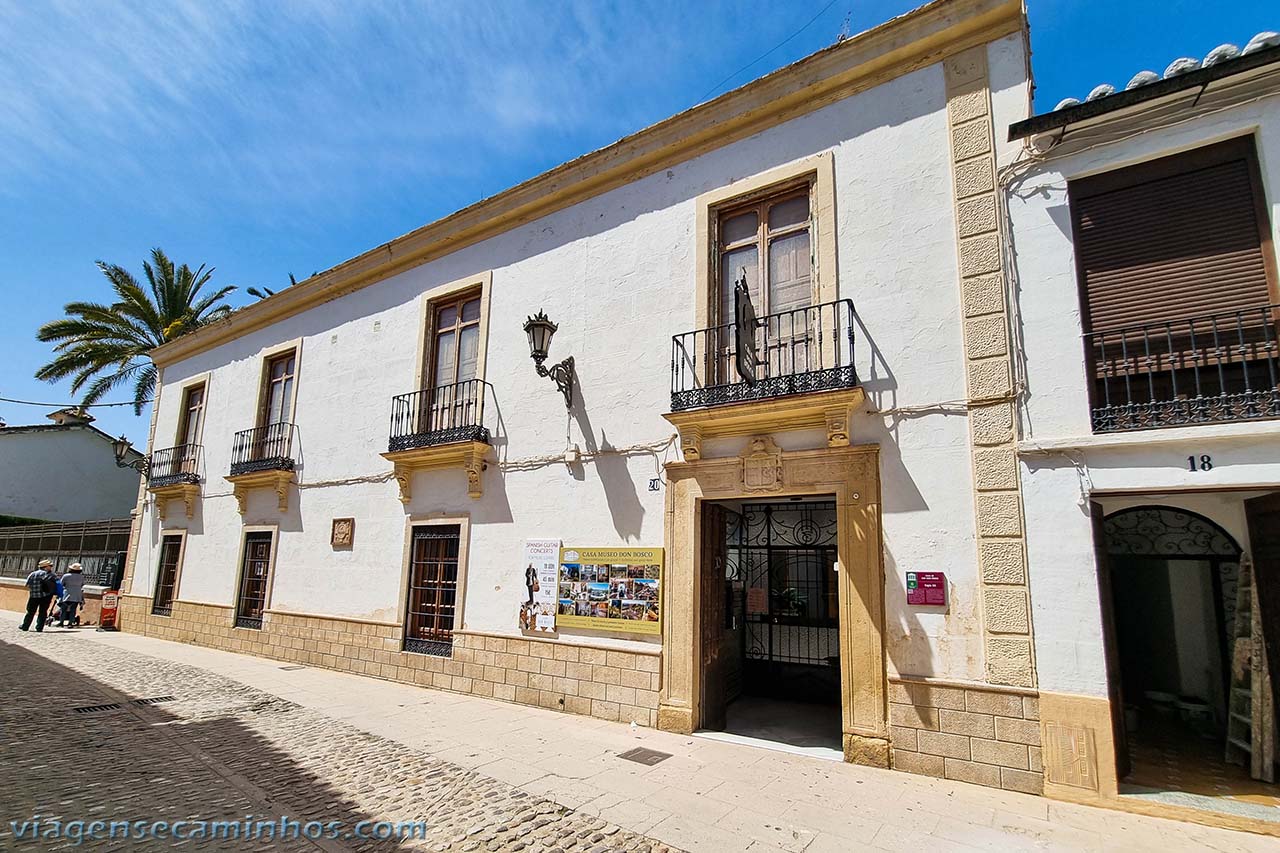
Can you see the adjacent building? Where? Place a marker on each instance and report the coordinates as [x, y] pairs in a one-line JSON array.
[[1146, 307], [745, 423], [64, 470]]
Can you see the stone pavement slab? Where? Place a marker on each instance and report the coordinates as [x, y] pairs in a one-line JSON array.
[[709, 795]]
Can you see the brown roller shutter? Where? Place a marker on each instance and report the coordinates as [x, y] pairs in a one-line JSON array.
[[1180, 237]]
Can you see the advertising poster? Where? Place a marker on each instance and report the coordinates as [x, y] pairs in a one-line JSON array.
[[540, 565], [611, 589]]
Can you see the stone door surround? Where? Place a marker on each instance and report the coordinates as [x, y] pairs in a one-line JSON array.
[[852, 475]]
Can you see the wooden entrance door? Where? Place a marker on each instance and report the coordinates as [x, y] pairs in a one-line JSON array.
[[711, 592], [1110, 643], [1263, 515]]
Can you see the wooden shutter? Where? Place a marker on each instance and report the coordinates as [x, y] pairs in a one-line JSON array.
[[1180, 237]]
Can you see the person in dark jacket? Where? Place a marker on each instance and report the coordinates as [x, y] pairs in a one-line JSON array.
[[41, 586]]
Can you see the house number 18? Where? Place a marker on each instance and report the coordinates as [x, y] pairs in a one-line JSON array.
[[1204, 463]]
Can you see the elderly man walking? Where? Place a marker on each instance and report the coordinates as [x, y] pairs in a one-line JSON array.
[[41, 586], [72, 596]]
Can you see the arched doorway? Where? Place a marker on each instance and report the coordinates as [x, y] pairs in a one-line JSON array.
[[1174, 580]]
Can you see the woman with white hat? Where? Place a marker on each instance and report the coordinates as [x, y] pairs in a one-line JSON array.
[[72, 596]]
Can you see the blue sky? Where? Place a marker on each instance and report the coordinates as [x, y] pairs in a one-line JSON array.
[[267, 138]]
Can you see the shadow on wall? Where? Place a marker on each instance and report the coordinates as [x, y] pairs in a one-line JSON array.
[[615, 475], [906, 644], [162, 755]]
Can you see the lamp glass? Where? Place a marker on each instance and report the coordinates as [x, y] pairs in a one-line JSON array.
[[540, 330], [121, 447]]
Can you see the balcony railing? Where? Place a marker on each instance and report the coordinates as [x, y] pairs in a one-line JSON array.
[[264, 448], [439, 416], [1217, 368], [798, 351], [174, 465]]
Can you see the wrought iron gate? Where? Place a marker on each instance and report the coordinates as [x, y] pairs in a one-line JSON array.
[[782, 585]]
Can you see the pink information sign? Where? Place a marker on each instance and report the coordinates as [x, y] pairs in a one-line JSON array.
[[927, 588]]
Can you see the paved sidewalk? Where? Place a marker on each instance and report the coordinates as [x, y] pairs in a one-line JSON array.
[[708, 795]]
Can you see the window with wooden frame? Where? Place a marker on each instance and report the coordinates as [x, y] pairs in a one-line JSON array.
[[765, 246], [777, 229], [273, 437], [190, 424], [192, 419], [277, 394], [453, 392], [255, 573], [1178, 289], [167, 575], [432, 589]]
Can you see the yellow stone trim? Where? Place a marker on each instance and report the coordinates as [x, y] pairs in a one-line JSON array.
[[467, 455], [277, 481], [852, 475], [185, 492], [135, 528], [1005, 598], [825, 410], [900, 46], [1061, 716]]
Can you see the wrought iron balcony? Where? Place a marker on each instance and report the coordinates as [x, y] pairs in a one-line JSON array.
[[1217, 368], [441, 415], [175, 465], [795, 352], [264, 448]]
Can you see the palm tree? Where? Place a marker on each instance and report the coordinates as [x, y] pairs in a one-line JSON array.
[[95, 338], [264, 292]]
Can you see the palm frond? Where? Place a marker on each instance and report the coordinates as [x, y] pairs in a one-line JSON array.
[[100, 346]]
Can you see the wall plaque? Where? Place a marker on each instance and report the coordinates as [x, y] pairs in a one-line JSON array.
[[927, 588], [343, 533]]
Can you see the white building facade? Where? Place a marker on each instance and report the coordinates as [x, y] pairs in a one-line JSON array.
[[1145, 231], [874, 495]]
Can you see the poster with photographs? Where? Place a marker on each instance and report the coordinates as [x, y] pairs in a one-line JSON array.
[[540, 565], [611, 589]]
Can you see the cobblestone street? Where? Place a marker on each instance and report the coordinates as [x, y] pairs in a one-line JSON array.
[[218, 750], [241, 738]]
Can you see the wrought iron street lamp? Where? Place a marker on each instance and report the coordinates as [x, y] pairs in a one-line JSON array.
[[540, 329], [121, 446]]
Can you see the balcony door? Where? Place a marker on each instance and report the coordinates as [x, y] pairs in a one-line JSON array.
[[452, 394], [271, 439], [776, 229], [189, 429]]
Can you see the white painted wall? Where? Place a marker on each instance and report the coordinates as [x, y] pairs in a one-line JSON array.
[[1062, 463], [63, 474], [617, 274]]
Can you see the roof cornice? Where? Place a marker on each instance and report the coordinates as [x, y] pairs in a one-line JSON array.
[[1146, 94], [917, 39]]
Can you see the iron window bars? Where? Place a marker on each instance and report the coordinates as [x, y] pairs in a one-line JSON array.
[[439, 415], [433, 590], [1215, 368], [264, 448], [174, 465], [797, 351]]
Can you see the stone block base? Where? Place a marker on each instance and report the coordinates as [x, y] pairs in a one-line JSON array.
[[611, 684], [974, 733]]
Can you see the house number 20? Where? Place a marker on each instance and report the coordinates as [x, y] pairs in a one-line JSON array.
[[1203, 463]]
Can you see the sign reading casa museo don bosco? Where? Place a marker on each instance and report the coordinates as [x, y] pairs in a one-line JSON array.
[[611, 589]]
